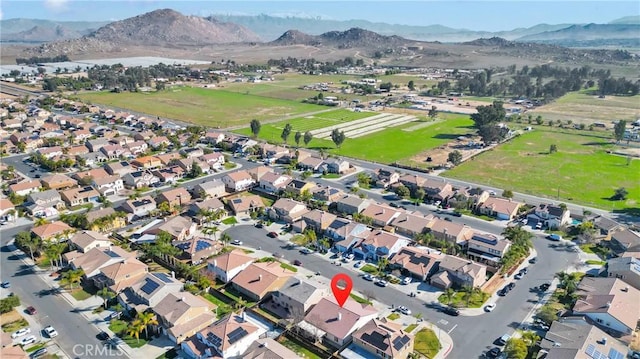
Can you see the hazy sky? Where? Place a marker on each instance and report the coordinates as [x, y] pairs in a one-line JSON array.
[[474, 15]]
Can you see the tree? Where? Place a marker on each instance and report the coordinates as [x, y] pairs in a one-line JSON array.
[[433, 112], [620, 194], [419, 194], [147, 319], [553, 148], [455, 157], [449, 293], [286, 131], [411, 85], [364, 180], [402, 191], [568, 282], [297, 138], [307, 138], [255, 127], [337, 137], [618, 130], [487, 119], [135, 328], [106, 295], [530, 338], [507, 193], [383, 262], [468, 294], [196, 171], [26, 240], [225, 238], [516, 349], [72, 277]]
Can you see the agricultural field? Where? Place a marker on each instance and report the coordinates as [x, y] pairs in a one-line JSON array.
[[581, 171], [583, 107], [207, 107]]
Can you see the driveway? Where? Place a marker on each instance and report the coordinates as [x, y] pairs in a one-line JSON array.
[[472, 335]]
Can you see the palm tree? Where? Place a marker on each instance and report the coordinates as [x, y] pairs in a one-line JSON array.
[[135, 328], [225, 238], [241, 303], [383, 262], [530, 338], [51, 255], [210, 231], [25, 239], [324, 242], [468, 293], [72, 277], [106, 295], [449, 293], [568, 282], [40, 222], [147, 319]]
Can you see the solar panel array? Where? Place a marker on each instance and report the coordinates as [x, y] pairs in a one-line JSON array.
[[149, 286], [164, 277], [214, 340], [236, 334], [487, 240], [400, 342], [614, 354], [202, 245], [112, 254]]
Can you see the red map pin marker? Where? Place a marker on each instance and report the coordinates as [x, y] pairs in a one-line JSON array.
[[341, 290]]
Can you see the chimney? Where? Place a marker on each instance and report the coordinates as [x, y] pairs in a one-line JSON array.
[[260, 277], [244, 318], [608, 304], [339, 316], [625, 289], [604, 341], [173, 274], [182, 299]]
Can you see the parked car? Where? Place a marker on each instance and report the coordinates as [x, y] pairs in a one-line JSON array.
[[448, 219], [28, 340], [539, 225], [114, 315], [358, 264], [494, 352], [545, 286], [554, 237], [20, 332], [367, 277], [259, 225], [533, 260], [490, 307], [31, 310], [518, 275], [451, 311], [503, 339], [406, 280], [236, 242], [103, 336], [297, 263], [51, 332], [381, 283], [272, 235], [404, 310], [511, 285], [5, 285], [456, 214], [306, 251], [39, 353], [393, 204]]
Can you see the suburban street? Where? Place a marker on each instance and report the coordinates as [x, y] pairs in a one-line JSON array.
[[472, 336], [77, 338]]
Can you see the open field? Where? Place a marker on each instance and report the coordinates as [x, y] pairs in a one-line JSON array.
[[208, 107], [581, 171], [582, 107]]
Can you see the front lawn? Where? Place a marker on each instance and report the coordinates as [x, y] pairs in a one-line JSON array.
[[331, 176], [595, 262], [80, 294], [427, 343], [458, 300], [230, 221], [411, 327], [119, 328], [289, 267], [359, 299], [15, 325], [34, 347], [369, 268], [393, 316], [600, 251]]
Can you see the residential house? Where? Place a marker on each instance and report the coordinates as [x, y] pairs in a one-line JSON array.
[[213, 138], [273, 152], [450, 231], [418, 262], [215, 160], [310, 164], [140, 179], [610, 303], [550, 215], [297, 187], [97, 144], [333, 323], [381, 214], [261, 279], [257, 172], [226, 266], [158, 142], [573, 337], [245, 204], [238, 181], [137, 147], [268, 348], [144, 135], [351, 204], [24, 188], [52, 230], [413, 182], [605, 226], [345, 234], [6, 207], [140, 207], [175, 197], [459, 272], [198, 207], [187, 164], [472, 196], [327, 194], [45, 203], [437, 190], [58, 181], [297, 296], [274, 182], [113, 152], [197, 249], [287, 210], [411, 224], [169, 158], [318, 220], [180, 228], [86, 240], [120, 275], [79, 195], [182, 315], [625, 268], [169, 174], [105, 220], [109, 185], [385, 178], [50, 152], [119, 168], [210, 189], [336, 165], [93, 158], [501, 208], [192, 152], [97, 258], [78, 150], [487, 248], [86, 177], [384, 339], [148, 291], [379, 244], [624, 240], [229, 337], [146, 162], [12, 352]]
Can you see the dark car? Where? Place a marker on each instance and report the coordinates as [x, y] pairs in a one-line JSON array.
[[511, 285], [273, 234], [259, 225], [533, 260], [456, 214], [393, 204], [37, 176], [39, 353], [504, 291], [297, 263], [31, 310], [451, 311], [103, 336], [545, 286], [494, 352], [448, 219]]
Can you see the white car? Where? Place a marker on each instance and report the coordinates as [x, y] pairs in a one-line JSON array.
[[404, 310], [490, 307], [20, 332], [406, 280], [381, 283], [358, 264], [51, 332], [28, 340], [368, 277], [236, 242]]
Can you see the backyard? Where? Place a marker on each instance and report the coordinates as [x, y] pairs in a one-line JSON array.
[[581, 170], [207, 107]]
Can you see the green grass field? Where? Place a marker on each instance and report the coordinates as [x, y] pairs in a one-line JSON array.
[[581, 171], [208, 107], [584, 107]]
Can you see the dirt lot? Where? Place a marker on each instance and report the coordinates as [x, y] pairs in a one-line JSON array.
[[12, 316]]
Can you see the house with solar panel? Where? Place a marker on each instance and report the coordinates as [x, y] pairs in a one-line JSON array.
[[487, 248], [149, 291], [384, 339], [197, 249]]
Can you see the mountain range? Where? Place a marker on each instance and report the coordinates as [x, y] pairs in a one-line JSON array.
[[620, 32]]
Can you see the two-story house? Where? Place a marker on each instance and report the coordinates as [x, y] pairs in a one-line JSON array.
[[183, 314], [228, 265], [86, 240], [345, 234], [501, 208], [384, 339], [351, 204], [148, 291], [411, 224], [273, 182], [551, 216], [44, 204], [58, 181], [209, 189], [381, 214], [297, 296], [459, 272], [487, 248], [417, 262], [24, 188], [379, 244], [238, 181], [175, 197], [105, 220], [140, 207], [79, 195], [140, 179], [260, 279], [109, 185], [287, 210], [625, 268], [385, 178], [318, 220]]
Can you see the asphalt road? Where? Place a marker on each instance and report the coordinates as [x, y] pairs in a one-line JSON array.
[[472, 336], [76, 337]]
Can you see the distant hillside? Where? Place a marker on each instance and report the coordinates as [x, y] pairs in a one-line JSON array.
[[635, 19], [35, 30], [163, 27], [41, 34], [352, 38], [588, 35]]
